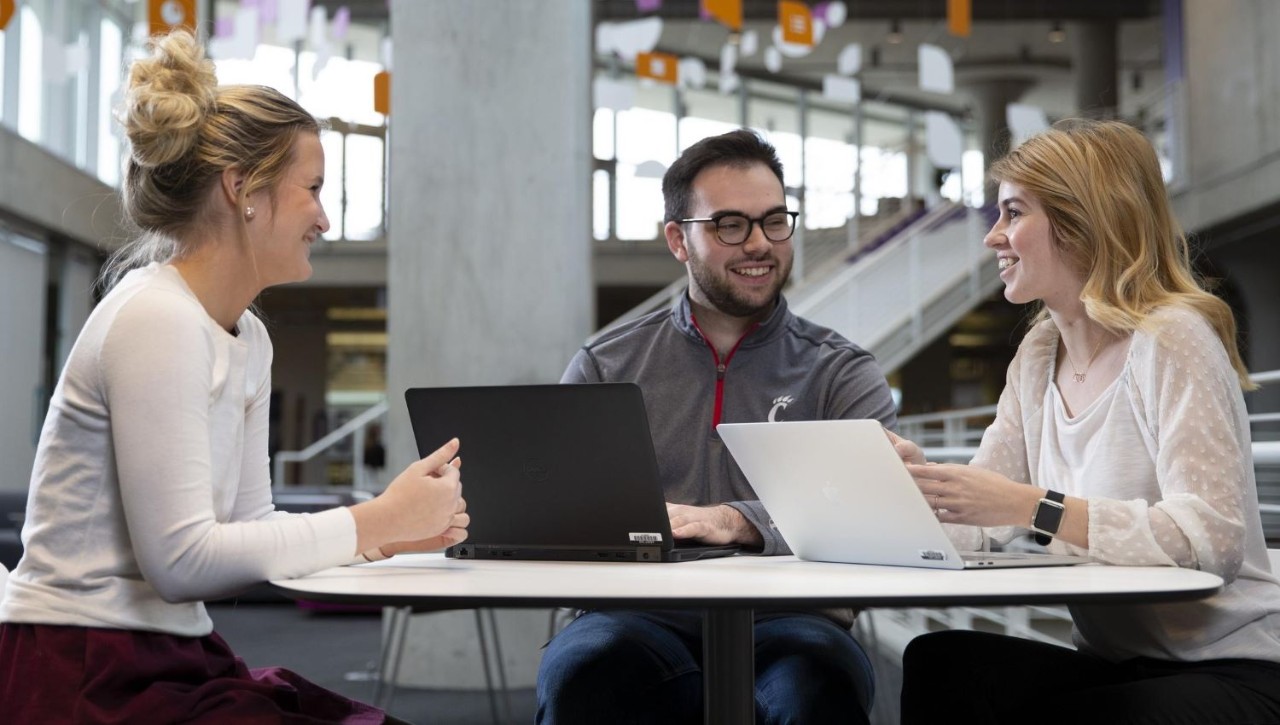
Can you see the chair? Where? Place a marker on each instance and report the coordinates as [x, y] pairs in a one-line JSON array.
[[13, 510], [393, 653]]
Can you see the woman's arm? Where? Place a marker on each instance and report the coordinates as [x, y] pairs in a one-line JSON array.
[[157, 365], [1191, 399]]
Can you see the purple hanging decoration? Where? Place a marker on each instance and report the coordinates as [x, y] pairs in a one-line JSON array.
[[341, 21], [224, 27], [648, 6], [268, 11]]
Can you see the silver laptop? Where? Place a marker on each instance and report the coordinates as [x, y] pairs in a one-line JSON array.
[[837, 491]]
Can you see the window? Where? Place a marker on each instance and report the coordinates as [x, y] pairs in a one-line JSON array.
[[30, 76], [110, 72]]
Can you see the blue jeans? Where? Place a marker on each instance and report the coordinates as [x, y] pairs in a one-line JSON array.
[[645, 667]]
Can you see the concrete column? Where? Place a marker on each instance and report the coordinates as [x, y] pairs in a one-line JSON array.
[[991, 97], [1095, 66], [489, 278]]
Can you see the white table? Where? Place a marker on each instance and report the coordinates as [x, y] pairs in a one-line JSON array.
[[729, 590]]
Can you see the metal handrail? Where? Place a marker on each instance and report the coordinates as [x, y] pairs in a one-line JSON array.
[[354, 428]]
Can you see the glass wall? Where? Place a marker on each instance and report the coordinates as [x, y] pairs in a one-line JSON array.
[[817, 142]]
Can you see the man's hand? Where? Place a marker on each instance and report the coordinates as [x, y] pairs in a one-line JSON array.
[[714, 525]]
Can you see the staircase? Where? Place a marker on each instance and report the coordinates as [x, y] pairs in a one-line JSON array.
[[894, 297]]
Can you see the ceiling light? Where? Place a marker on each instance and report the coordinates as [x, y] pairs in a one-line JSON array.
[[895, 32], [1056, 33]]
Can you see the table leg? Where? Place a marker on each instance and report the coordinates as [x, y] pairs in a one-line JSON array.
[[728, 667]]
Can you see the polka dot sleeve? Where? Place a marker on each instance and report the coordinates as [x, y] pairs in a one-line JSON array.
[[1191, 399]]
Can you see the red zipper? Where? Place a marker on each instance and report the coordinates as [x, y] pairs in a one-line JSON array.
[[721, 367]]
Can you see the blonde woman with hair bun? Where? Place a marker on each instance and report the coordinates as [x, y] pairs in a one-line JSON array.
[[150, 492], [1122, 435]]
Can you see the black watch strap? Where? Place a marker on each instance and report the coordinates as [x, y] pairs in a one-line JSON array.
[[1048, 517]]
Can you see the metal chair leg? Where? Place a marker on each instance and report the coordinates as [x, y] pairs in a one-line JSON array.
[[502, 668], [484, 659], [392, 653]]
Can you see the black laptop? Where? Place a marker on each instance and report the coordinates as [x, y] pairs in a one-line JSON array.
[[554, 472]]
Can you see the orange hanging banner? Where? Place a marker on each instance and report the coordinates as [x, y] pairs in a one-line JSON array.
[[727, 12], [959, 17], [6, 13], [165, 15], [660, 67], [382, 93], [796, 21]]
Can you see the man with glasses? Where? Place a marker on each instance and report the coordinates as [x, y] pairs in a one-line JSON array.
[[728, 350]]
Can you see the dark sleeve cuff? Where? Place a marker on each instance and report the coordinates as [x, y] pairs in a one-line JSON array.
[[759, 518]]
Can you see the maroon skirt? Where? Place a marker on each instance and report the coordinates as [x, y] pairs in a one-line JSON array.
[[57, 674]]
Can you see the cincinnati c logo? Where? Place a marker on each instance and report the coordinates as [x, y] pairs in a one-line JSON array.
[[779, 404]]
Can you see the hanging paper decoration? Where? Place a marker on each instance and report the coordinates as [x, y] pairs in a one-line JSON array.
[[840, 88], [648, 6], [341, 23], [1025, 121], [7, 8], [242, 41], [650, 170], [936, 72], [382, 93], [798, 50], [750, 43], [692, 73], [661, 67], [944, 143], [773, 59], [796, 22], [728, 65], [291, 20], [959, 17], [832, 13], [268, 11], [727, 12], [166, 15], [628, 39], [849, 61]]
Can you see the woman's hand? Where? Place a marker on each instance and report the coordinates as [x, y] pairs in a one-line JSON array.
[[962, 494], [909, 452], [423, 504], [455, 534]]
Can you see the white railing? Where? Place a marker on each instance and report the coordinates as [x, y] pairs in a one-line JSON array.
[[899, 297], [353, 428], [952, 429]]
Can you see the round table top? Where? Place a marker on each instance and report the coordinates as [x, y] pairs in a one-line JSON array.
[[431, 580]]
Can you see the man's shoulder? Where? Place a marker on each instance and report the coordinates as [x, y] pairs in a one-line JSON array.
[[629, 335], [822, 340]]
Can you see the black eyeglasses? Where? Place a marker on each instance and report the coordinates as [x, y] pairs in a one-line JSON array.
[[733, 229]]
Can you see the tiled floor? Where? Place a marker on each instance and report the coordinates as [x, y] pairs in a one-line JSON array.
[[339, 651]]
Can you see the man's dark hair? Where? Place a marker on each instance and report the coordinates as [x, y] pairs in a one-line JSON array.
[[740, 148]]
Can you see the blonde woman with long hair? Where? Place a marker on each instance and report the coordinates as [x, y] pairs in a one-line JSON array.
[[1122, 435], [150, 491]]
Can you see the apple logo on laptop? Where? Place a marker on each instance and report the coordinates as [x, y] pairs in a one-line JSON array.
[[831, 492], [536, 470]]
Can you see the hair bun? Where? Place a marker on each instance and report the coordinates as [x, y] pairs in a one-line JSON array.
[[171, 92]]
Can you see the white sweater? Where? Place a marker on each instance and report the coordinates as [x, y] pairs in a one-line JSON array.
[[1164, 459], [150, 490]]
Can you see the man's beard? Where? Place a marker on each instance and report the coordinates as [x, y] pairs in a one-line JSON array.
[[721, 294]]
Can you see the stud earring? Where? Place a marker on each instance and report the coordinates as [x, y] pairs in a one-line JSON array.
[[248, 212]]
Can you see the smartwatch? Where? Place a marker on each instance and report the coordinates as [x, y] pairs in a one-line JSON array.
[[1048, 517]]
